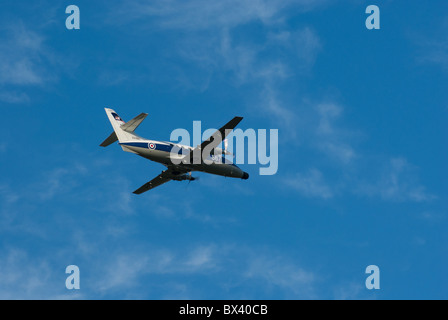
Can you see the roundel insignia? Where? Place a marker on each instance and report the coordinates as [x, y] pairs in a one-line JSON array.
[[151, 146]]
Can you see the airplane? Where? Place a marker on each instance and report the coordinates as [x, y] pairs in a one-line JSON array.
[[180, 160]]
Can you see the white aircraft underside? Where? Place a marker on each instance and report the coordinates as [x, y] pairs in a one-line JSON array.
[[181, 160]]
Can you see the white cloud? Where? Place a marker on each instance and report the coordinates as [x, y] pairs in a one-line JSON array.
[[8, 195], [125, 269], [349, 291], [273, 107], [14, 97], [344, 153], [25, 61], [123, 272], [25, 277], [58, 181], [307, 44], [433, 48], [203, 14], [21, 55], [201, 257], [239, 264], [276, 271], [205, 35], [436, 53], [389, 178], [330, 139], [397, 182], [302, 45], [113, 77], [433, 217], [310, 184], [130, 274]]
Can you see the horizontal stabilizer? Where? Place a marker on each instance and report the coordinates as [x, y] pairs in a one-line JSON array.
[[131, 125], [110, 139]]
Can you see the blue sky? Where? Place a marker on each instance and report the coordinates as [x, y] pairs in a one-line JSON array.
[[362, 149]]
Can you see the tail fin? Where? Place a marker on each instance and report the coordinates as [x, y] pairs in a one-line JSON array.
[[122, 131]]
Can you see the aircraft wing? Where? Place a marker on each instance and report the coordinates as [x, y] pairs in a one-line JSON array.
[[215, 139], [162, 178], [167, 175]]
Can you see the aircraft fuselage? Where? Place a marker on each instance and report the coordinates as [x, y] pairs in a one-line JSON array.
[[161, 152]]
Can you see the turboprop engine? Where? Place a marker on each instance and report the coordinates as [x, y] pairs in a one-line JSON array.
[[186, 176]]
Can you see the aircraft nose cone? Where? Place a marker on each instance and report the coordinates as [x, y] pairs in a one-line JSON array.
[[245, 176]]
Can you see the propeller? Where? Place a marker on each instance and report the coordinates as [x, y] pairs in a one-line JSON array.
[[226, 146], [191, 178]]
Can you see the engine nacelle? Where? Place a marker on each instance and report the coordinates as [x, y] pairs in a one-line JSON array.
[[220, 151], [184, 177]]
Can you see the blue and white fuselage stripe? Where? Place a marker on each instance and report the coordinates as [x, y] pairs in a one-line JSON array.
[[165, 150]]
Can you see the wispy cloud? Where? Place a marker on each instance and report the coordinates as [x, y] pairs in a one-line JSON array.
[[310, 184], [349, 291], [397, 182], [125, 269], [25, 62], [433, 48], [202, 14], [284, 274], [241, 264], [332, 140], [135, 273], [201, 256], [22, 57], [7, 194], [389, 178], [436, 53], [58, 181], [272, 105], [26, 277], [207, 36], [14, 97]]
